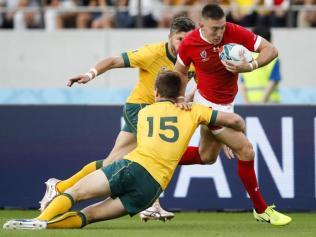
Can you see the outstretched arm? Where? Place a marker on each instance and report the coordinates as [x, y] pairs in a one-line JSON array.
[[101, 67], [230, 120]]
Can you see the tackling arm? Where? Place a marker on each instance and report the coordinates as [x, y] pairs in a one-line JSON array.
[[183, 71], [230, 120]]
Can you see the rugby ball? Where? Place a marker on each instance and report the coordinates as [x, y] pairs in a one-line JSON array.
[[233, 52]]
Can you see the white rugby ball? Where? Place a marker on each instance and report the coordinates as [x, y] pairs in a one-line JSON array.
[[233, 52]]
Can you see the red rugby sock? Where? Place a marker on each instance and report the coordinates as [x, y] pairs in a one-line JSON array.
[[191, 156], [247, 175]]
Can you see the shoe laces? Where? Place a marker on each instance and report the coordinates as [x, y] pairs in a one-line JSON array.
[[270, 210]]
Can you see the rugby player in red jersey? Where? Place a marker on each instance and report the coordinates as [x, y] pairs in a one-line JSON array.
[[217, 88]]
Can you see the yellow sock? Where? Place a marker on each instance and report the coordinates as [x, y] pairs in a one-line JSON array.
[[68, 220], [63, 185], [59, 205]]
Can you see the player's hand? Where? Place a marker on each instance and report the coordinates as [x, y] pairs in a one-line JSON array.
[[228, 152], [182, 104], [238, 67], [81, 79]]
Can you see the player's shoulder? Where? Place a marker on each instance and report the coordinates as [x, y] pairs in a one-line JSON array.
[[232, 28], [196, 108], [192, 37], [156, 48]]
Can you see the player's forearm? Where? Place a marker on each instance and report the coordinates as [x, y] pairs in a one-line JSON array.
[[108, 64], [184, 82], [183, 72]]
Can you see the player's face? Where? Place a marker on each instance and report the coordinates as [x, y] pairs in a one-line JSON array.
[[213, 30], [175, 40]]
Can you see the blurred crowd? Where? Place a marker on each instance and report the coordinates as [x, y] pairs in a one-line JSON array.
[[60, 14]]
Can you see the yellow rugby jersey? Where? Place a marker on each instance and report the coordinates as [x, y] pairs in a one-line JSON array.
[[163, 134], [150, 59]]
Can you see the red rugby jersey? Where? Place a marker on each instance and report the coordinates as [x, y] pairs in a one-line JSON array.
[[215, 83]]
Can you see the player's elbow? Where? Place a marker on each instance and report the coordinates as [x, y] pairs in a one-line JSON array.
[[274, 51]]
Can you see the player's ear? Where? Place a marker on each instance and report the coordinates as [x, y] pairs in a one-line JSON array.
[[156, 93], [201, 25]]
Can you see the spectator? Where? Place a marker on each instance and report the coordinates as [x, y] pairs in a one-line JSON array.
[[19, 19], [95, 19], [261, 85], [243, 12], [58, 20], [307, 16], [120, 19], [148, 19], [277, 17]]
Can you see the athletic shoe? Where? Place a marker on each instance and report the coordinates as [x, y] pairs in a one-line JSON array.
[[272, 216], [51, 192], [156, 212], [26, 224]]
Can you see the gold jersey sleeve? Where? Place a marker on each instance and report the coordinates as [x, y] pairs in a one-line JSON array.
[[164, 132], [150, 60], [142, 57]]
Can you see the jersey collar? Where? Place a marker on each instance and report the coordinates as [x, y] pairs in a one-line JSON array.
[[169, 55], [166, 100]]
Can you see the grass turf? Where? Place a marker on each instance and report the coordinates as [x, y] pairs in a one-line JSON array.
[[184, 224]]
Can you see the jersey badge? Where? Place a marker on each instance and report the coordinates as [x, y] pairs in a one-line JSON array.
[[204, 56]]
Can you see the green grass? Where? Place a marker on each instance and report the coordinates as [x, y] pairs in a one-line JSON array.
[[184, 224]]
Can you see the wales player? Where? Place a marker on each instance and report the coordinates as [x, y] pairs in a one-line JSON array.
[[131, 184], [217, 87], [150, 60]]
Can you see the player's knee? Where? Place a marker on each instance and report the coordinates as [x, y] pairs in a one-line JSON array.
[[247, 152], [78, 193], [208, 157]]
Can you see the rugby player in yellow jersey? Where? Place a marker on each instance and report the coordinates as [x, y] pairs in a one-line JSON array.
[[132, 184], [150, 60]]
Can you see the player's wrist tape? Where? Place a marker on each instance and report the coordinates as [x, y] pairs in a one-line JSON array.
[[94, 71], [255, 64], [89, 74], [251, 66]]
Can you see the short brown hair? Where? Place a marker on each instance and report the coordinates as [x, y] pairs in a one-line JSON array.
[[181, 24], [168, 84], [213, 11]]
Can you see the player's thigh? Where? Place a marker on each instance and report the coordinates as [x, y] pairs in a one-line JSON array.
[[238, 142], [209, 147], [125, 143], [95, 184], [104, 210]]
